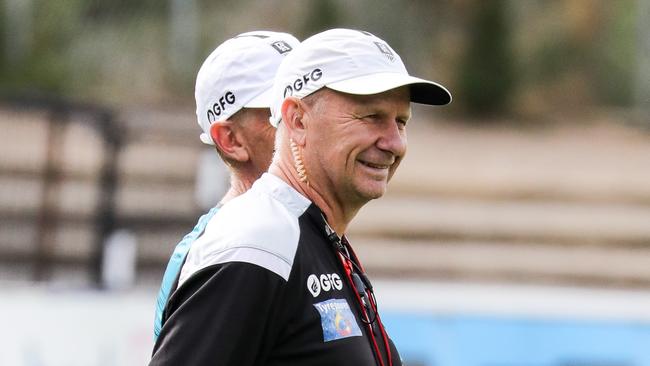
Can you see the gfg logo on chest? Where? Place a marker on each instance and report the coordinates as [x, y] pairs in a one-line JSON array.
[[324, 282]]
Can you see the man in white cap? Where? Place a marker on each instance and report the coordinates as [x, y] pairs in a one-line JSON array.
[[285, 285], [233, 97]]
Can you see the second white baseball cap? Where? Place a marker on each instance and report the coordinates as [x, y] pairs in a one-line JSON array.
[[349, 61], [239, 74]]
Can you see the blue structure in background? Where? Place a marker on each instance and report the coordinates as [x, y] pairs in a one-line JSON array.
[[469, 340]]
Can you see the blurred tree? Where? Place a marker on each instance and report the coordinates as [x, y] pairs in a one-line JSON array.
[[584, 55], [44, 66], [642, 56], [4, 58], [116, 10], [487, 75], [615, 63], [322, 15]]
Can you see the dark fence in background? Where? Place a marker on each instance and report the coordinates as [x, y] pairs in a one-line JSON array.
[[71, 174], [58, 115], [566, 206]]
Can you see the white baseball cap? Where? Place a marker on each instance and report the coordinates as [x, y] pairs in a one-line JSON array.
[[349, 61], [239, 74]]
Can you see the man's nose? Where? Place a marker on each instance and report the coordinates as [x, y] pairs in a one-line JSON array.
[[392, 139]]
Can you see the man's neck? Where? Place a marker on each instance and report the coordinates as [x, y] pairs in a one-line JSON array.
[[240, 182], [338, 214]]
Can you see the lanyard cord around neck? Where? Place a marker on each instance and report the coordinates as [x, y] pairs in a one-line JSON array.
[[362, 289]]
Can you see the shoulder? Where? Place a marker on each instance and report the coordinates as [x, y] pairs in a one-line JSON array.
[[259, 227]]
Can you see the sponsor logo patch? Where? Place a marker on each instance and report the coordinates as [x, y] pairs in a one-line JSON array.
[[337, 320], [281, 46], [385, 50], [220, 106], [325, 282], [300, 82]]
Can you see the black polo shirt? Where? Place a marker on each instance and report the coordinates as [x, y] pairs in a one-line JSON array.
[[264, 286]]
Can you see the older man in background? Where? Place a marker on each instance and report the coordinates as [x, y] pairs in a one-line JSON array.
[[233, 97]]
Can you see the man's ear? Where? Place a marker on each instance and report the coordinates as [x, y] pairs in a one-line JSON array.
[[292, 117], [225, 137]]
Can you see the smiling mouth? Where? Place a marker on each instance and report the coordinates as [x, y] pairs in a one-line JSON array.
[[374, 166]]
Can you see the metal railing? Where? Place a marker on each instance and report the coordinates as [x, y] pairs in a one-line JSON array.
[[59, 114]]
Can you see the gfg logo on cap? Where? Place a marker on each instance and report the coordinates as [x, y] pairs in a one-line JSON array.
[[220, 106], [299, 83]]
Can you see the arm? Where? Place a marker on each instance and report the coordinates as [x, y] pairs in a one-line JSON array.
[[225, 314]]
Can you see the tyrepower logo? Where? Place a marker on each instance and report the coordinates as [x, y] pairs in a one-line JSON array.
[[324, 282]]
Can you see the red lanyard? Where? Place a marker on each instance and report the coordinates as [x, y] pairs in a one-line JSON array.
[[365, 298]]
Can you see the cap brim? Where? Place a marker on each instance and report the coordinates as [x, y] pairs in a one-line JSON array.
[[263, 100], [422, 91]]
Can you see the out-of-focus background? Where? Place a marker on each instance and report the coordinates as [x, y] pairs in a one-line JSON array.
[[516, 232]]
